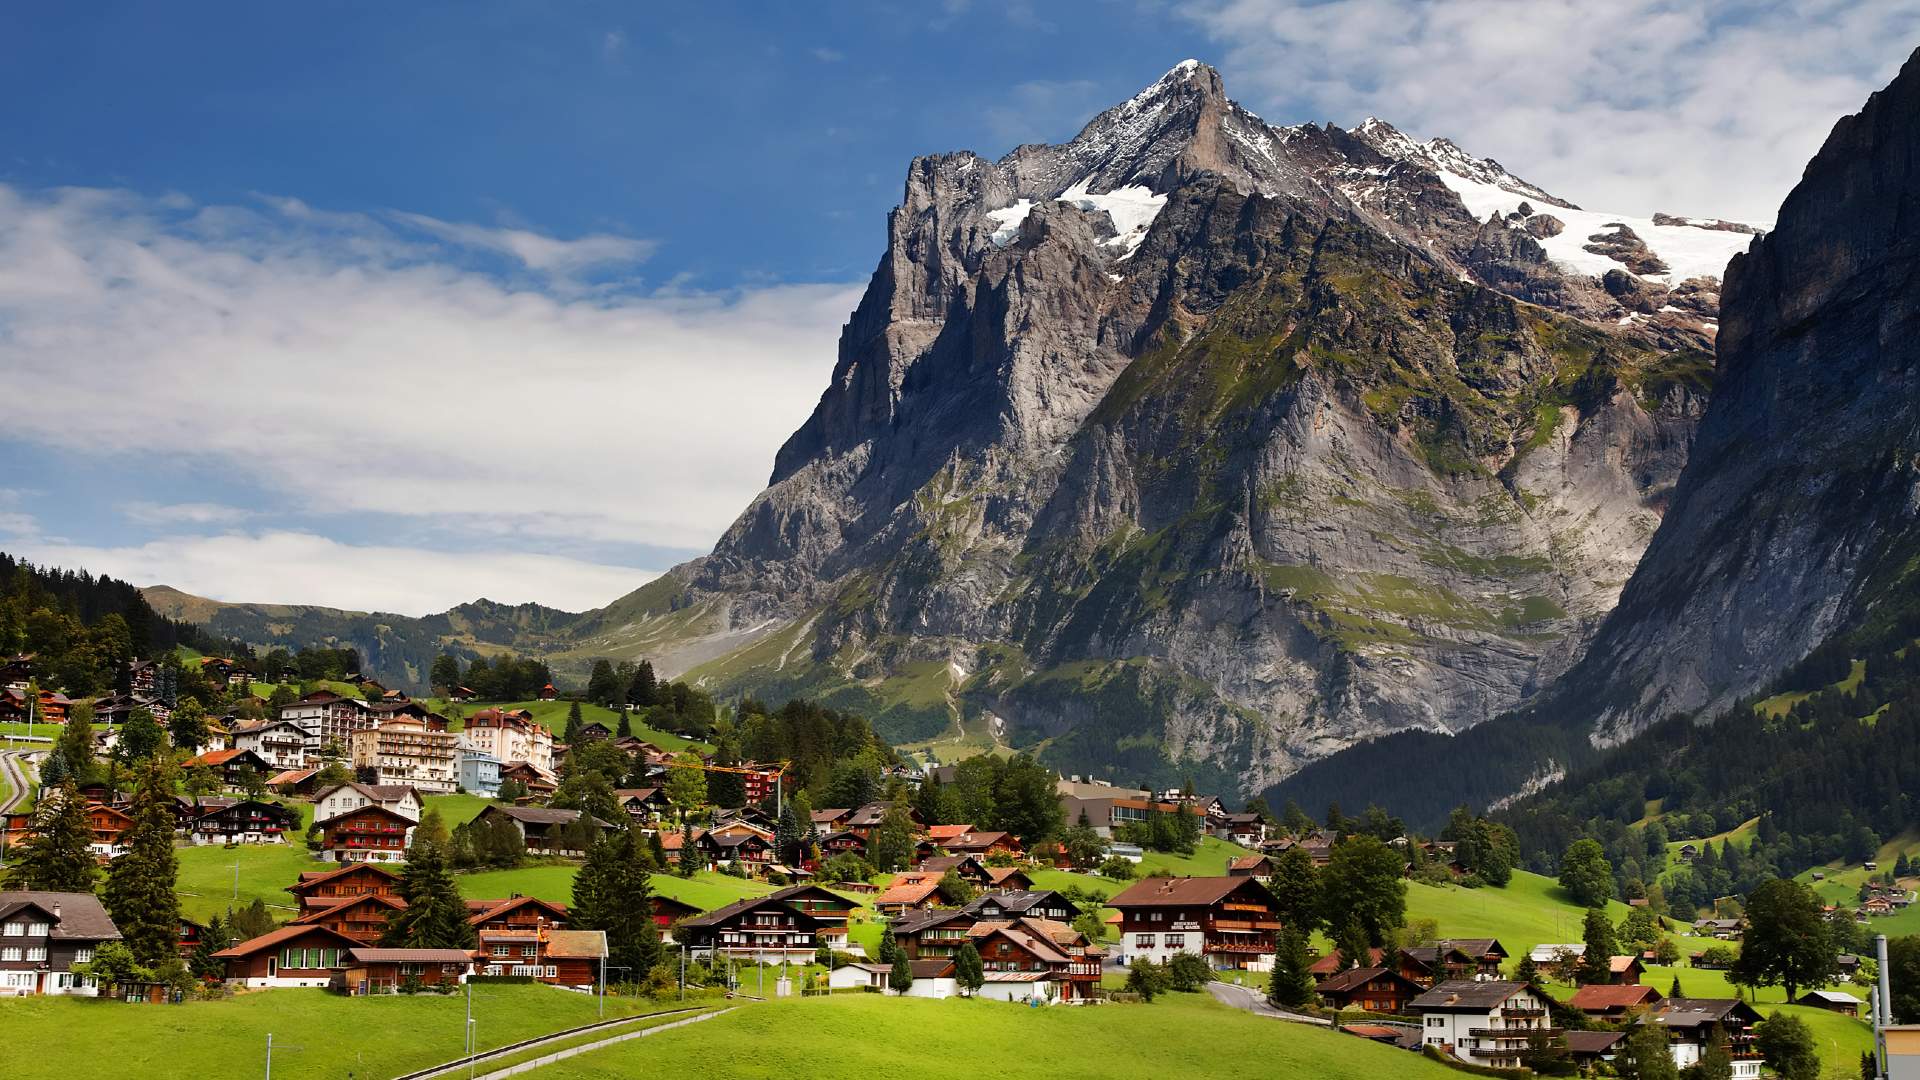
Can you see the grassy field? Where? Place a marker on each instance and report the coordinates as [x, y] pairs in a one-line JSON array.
[[1531, 910], [316, 1035], [458, 809], [704, 890], [206, 881], [860, 1036], [553, 715]]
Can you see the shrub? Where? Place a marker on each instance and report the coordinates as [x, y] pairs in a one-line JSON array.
[[1187, 972], [1117, 867]]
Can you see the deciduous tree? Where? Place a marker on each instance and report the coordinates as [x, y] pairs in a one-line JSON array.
[[1586, 874]]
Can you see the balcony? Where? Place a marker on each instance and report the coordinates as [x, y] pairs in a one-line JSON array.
[[1251, 948], [1523, 1014], [1520, 1033], [1501, 1055]]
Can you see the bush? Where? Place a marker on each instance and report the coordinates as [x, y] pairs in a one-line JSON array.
[[1146, 978], [846, 867], [1187, 972], [1117, 867]]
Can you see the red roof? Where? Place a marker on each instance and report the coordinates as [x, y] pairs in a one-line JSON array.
[[274, 938], [216, 757], [1602, 997]]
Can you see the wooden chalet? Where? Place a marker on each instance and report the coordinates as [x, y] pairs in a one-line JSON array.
[[909, 891], [324, 888], [786, 924], [1693, 1024], [1371, 989], [843, 843], [1040, 904], [362, 918], [538, 782], [1254, 866], [647, 804], [972, 868], [1043, 958], [373, 970], [292, 956], [46, 934], [546, 831], [668, 911], [48, 707], [1614, 1001], [983, 844], [1008, 879], [1230, 921], [1464, 958], [245, 822], [367, 834], [294, 782], [1831, 1000], [1406, 967], [108, 824]]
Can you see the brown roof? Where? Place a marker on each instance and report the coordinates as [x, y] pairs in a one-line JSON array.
[[1601, 998], [1163, 892], [1331, 962], [273, 939], [1465, 995], [1355, 978], [411, 956], [81, 917], [933, 967], [577, 944], [335, 905], [1248, 862], [310, 878], [1593, 1042]]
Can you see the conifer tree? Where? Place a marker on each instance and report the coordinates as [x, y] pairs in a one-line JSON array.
[[435, 916], [75, 745], [140, 883], [572, 734], [1356, 950], [56, 857], [689, 857], [214, 939], [900, 979], [968, 969], [1292, 982]]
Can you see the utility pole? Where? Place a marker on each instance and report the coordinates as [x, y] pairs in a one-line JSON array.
[[470, 1040], [269, 1055], [1882, 1006]]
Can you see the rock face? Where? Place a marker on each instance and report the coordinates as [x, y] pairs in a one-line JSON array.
[[1797, 512], [1197, 446]]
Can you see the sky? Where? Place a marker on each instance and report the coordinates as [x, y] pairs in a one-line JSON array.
[[394, 306]]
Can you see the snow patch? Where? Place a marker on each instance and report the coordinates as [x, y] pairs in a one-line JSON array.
[[1131, 209], [1688, 251], [1006, 222]]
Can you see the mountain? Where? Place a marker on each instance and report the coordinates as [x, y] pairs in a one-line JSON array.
[[1797, 517], [1200, 446]]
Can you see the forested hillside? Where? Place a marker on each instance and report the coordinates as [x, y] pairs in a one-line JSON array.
[[80, 627]]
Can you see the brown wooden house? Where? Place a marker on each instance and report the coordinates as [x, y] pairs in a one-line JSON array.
[[370, 833], [1372, 989], [324, 888], [363, 918], [294, 955], [384, 971]]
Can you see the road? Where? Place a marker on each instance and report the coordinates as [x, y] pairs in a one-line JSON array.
[[19, 773], [461, 1066], [1252, 1000]]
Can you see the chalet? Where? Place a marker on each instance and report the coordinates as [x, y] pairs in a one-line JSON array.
[[1693, 1024], [294, 955], [294, 782], [1465, 958], [248, 822], [667, 911], [46, 707], [844, 843], [940, 834], [832, 821], [324, 888], [1228, 920], [336, 800], [761, 781], [1370, 989], [1008, 879], [1253, 866], [1723, 929], [548, 831], [592, 732], [538, 782], [933, 933], [108, 825], [1031, 959], [143, 676], [1589, 1049], [363, 918], [516, 913], [1483, 1023], [371, 833], [548, 693], [1689, 852], [232, 766], [647, 804], [1043, 904], [1246, 830], [910, 891], [1108, 812], [971, 867], [461, 694], [1830, 1000], [1319, 849], [385, 971], [1626, 969], [1614, 1002], [16, 671], [786, 924], [983, 844], [43, 935]]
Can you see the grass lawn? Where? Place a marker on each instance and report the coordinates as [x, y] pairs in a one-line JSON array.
[[704, 890], [553, 715], [1531, 910], [458, 809], [206, 881], [316, 1035], [860, 1036]]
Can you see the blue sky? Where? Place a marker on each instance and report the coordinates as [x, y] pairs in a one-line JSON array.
[[397, 305]]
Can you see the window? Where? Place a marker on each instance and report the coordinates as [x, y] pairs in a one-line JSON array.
[[38, 929], [501, 951], [10, 954], [83, 955], [1176, 941], [552, 972], [1143, 941], [16, 929], [527, 951], [37, 954], [1436, 1021]]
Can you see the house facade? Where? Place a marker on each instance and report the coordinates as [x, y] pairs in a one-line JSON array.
[[547, 831], [407, 751], [1481, 1022], [326, 717], [281, 744], [43, 935], [337, 800], [479, 773], [325, 888], [510, 735], [368, 834], [292, 956], [785, 925], [1693, 1024], [1229, 921], [245, 822]]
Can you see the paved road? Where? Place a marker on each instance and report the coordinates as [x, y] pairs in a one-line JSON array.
[[461, 1066], [19, 778], [1255, 1002]]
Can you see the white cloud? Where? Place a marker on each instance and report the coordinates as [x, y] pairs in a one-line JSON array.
[[199, 513], [1685, 106], [301, 568], [537, 252], [345, 367], [828, 56]]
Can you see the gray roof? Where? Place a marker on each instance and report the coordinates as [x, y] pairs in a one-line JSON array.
[[1018, 901], [1698, 1012], [80, 918], [540, 815], [1465, 995]]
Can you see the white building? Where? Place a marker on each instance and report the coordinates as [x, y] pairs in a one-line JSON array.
[[1693, 1024], [326, 717], [280, 743], [510, 735], [406, 751], [1481, 1023], [335, 801]]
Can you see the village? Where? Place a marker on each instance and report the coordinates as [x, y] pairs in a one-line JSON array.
[[864, 899]]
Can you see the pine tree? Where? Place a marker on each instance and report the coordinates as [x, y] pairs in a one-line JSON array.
[[900, 979], [572, 734], [689, 855], [643, 691], [140, 883], [968, 969], [1292, 982], [1355, 948], [75, 745], [435, 916], [212, 940], [1527, 971], [1674, 990], [56, 856], [1596, 963]]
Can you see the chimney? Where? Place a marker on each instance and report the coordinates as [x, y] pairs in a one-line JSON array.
[[56, 911]]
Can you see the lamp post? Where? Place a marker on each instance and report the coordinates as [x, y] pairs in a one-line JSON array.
[[471, 1046]]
